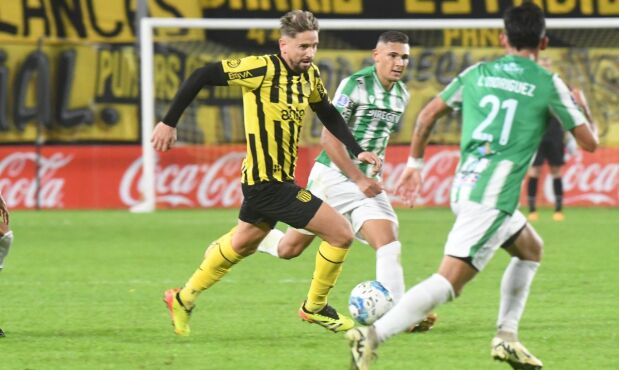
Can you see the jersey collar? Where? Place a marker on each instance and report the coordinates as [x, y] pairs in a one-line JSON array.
[[290, 71]]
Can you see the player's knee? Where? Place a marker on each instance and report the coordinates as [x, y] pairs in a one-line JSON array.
[[537, 250], [533, 251], [288, 252], [344, 239]]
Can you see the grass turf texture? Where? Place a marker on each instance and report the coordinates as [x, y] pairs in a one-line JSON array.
[[83, 290]]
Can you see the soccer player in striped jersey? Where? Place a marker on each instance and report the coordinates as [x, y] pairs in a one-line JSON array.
[[505, 108], [277, 90], [372, 101], [6, 236]]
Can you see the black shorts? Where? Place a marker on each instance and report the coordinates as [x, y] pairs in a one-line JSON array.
[[278, 201], [551, 150]]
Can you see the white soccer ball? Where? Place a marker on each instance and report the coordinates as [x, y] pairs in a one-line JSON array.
[[369, 301]]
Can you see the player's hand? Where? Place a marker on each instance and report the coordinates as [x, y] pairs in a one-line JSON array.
[[408, 185], [371, 158], [163, 137], [369, 187]]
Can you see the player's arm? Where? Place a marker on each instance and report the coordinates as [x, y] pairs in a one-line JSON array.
[[334, 122], [586, 135], [409, 183], [338, 154], [164, 134]]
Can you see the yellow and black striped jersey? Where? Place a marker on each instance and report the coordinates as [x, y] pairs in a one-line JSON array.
[[275, 100]]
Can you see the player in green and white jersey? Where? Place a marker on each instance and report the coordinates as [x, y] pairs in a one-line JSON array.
[[505, 107], [6, 236], [372, 101]]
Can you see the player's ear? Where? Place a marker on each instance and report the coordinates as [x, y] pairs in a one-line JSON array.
[[375, 54], [282, 44], [504, 40], [543, 43]]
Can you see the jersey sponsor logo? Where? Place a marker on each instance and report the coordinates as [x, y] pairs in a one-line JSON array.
[[391, 117], [342, 101], [233, 63], [304, 196], [507, 84], [239, 75], [510, 67], [293, 114]]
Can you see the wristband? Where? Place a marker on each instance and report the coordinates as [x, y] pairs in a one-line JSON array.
[[415, 163]]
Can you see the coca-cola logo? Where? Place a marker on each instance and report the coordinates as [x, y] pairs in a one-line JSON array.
[[214, 184], [594, 183], [19, 187], [437, 178]]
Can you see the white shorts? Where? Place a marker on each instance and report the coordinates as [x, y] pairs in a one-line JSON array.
[[339, 192], [479, 231]]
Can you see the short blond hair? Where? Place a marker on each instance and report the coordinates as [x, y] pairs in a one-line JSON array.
[[297, 21]]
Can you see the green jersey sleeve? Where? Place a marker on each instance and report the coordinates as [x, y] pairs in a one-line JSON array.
[[452, 94], [562, 106], [344, 99]]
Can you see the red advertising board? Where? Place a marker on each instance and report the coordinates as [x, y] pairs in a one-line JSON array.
[[98, 177]]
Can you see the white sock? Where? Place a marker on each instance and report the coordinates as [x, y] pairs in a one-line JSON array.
[[270, 242], [515, 287], [5, 243], [414, 306], [389, 269]]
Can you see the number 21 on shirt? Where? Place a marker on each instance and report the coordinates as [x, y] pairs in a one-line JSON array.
[[496, 105]]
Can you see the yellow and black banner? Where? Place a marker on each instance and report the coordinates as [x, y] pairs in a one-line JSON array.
[[85, 20], [403, 9]]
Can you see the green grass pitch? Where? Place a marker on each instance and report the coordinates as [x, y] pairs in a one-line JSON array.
[[83, 290]]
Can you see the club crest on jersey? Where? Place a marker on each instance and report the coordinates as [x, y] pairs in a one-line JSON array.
[[233, 63], [342, 101], [304, 196]]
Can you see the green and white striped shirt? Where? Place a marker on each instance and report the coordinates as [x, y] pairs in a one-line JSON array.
[[372, 113], [506, 105]]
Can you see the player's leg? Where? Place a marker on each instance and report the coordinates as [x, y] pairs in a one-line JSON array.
[[286, 245], [556, 159], [414, 306], [337, 236], [296, 240], [526, 249], [532, 185], [381, 235], [6, 236], [240, 242], [475, 236], [557, 188], [375, 222], [220, 256]]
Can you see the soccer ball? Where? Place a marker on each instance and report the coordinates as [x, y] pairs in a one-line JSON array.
[[369, 301]]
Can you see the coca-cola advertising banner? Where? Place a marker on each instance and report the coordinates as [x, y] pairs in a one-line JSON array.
[[99, 177]]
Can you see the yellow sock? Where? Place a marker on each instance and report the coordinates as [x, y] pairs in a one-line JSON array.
[[218, 260], [329, 261]]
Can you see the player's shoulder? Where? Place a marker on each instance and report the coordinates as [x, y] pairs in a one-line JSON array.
[[359, 78], [363, 72], [403, 90], [245, 62], [473, 69]]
